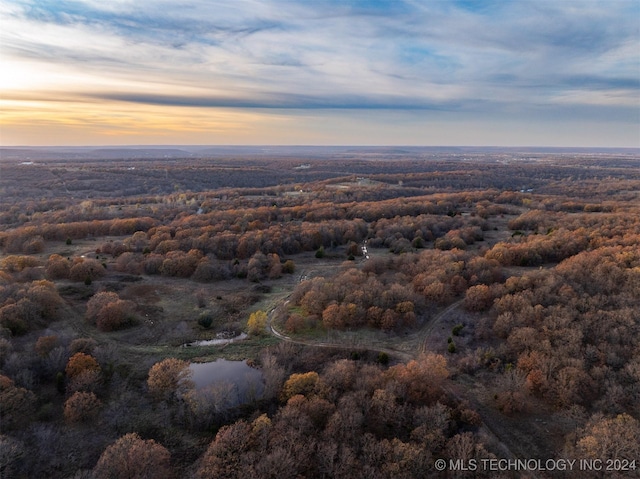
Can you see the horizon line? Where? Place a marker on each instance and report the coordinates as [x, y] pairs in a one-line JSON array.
[[204, 145]]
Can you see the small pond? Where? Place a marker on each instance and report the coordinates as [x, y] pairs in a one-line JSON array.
[[235, 379]]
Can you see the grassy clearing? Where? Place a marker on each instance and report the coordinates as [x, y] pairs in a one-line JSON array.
[[240, 350]]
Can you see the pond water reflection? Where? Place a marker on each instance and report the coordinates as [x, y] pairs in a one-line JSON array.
[[240, 382]]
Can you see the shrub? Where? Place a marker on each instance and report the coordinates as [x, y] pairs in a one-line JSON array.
[[205, 320], [288, 267], [383, 358]]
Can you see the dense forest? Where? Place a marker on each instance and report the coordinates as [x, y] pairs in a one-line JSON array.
[[396, 307]]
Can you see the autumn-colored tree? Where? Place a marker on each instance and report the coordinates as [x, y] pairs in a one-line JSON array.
[[536, 381], [258, 265], [84, 269], [12, 318], [467, 447], [303, 384], [181, 264], [57, 267], [340, 375], [109, 312], [295, 323], [99, 301], [390, 320], [89, 380], [33, 245], [332, 317], [79, 363], [137, 242], [129, 262], [531, 220], [478, 298], [438, 292], [169, 378], [570, 385], [153, 263], [346, 424], [17, 263], [44, 295], [257, 323], [385, 413], [132, 457], [81, 407], [17, 404], [275, 267], [225, 456], [45, 344], [5, 278], [511, 393], [318, 409], [422, 377], [431, 424], [313, 302], [115, 315], [165, 246], [609, 438], [374, 316]]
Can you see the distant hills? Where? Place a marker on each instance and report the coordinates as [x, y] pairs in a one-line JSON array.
[[203, 151]]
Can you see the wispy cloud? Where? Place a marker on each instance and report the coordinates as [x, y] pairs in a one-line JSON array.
[[448, 56]]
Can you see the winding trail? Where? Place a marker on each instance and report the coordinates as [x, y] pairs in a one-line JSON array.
[[421, 336], [431, 325], [324, 344], [513, 441]]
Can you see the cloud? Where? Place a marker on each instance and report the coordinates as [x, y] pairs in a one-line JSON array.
[[414, 55], [281, 101]]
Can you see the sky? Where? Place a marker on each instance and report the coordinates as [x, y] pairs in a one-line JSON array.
[[320, 72]]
